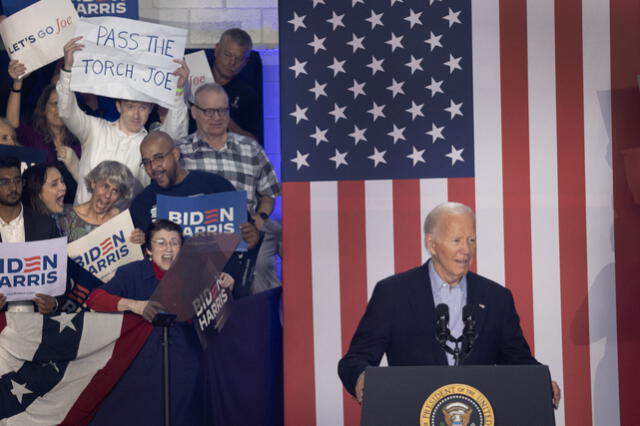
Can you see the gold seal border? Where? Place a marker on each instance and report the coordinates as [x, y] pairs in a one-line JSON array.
[[457, 389]]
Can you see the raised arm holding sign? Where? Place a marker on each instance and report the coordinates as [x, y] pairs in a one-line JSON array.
[[119, 141]]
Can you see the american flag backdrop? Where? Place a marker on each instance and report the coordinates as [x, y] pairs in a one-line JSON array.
[[516, 108]]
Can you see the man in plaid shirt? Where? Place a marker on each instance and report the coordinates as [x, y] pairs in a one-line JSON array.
[[241, 160]]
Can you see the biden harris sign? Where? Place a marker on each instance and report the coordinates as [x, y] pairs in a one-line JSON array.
[[33, 267]]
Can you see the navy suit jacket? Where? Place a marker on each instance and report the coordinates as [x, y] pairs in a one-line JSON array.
[[400, 321]]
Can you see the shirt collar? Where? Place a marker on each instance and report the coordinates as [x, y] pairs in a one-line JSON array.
[[437, 283], [16, 220]]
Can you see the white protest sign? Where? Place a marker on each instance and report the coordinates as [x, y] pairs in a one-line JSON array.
[[36, 35], [128, 59], [199, 71], [33, 267], [106, 248]]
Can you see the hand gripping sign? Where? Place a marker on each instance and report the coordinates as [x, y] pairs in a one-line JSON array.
[[35, 35], [128, 59]]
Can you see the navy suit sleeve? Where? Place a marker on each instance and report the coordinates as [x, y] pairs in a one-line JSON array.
[[371, 339], [514, 348], [121, 282]]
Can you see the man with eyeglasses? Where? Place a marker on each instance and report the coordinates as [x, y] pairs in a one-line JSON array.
[[19, 224], [120, 140], [214, 148]]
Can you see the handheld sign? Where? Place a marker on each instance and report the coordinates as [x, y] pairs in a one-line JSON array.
[[190, 287], [33, 267], [36, 35], [26, 155], [85, 8], [223, 212], [127, 59], [199, 71], [106, 248]]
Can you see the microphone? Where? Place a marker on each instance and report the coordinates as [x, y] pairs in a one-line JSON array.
[[442, 323], [469, 333]]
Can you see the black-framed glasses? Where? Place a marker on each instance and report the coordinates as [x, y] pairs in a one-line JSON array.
[[210, 112], [155, 160], [17, 181]]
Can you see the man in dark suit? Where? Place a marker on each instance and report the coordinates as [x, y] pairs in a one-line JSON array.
[[19, 223], [400, 318]]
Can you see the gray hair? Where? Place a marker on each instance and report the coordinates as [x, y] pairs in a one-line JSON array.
[[115, 173], [237, 36], [433, 218], [210, 87]]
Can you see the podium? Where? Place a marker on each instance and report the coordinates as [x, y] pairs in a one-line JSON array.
[[467, 395]]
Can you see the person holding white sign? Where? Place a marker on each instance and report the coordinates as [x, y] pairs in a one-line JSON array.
[[19, 224], [120, 140]]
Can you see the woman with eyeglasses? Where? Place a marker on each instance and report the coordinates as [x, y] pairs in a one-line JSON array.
[[47, 130], [134, 283], [110, 184], [129, 291]]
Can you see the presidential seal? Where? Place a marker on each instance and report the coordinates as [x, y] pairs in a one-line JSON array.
[[457, 405]]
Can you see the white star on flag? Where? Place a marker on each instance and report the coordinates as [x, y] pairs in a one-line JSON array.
[[300, 160], [298, 67], [396, 87], [339, 159], [413, 18], [19, 390], [433, 41], [455, 155], [297, 22], [317, 43], [453, 63], [336, 20], [452, 18], [375, 65], [414, 64], [319, 136], [300, 114], [435, 87], [435, 133], [376, 111], [356, 43], [416, 156], [354, 2], [415, 110], [318, 89], [357, 89], [395, 42], [377, 157], [65, 321], [375, 19], [397, 133], [317, 2], [396, 1], [358, 135], [338, 112], [454, 109], [337, 66]]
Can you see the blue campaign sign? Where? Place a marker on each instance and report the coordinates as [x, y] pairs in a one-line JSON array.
[[27, 156], [85, 8], [218, 213]]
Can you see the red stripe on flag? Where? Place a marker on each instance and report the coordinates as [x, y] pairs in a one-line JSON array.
[[133, 335], [299, 382], [625, 107], [353, 272], [515, 159], [463, 190], [571, 206], [407, 228]]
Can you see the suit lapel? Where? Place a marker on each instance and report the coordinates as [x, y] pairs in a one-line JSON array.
[[476, 298], [423, 306]]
